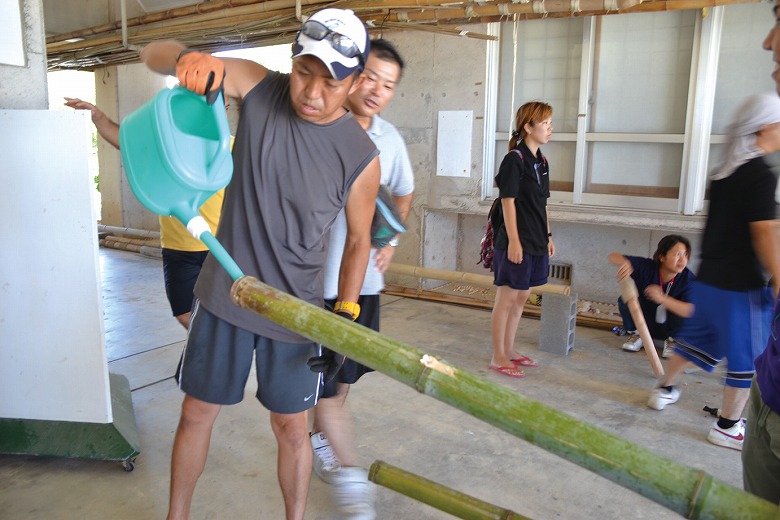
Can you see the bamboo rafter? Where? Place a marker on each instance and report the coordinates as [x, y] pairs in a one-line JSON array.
[[230, 24], [690, 492]]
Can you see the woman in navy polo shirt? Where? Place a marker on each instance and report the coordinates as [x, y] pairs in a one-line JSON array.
[[663, 283]]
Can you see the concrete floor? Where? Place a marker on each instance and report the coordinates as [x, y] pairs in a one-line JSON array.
[[596, 382]]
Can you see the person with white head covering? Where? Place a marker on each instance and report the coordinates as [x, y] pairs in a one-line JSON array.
[[747, 130], [732, 295]]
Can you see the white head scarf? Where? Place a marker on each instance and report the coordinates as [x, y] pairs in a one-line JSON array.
[[755, 112]]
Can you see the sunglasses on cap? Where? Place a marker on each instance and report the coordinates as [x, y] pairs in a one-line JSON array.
[[344, 45]]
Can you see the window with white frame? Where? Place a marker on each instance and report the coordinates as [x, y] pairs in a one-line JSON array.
[[633, 99], [545, 56], [743, 69]]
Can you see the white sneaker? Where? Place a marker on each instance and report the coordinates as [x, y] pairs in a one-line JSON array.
[[660, 397], [668, 348], [728, 438], [354, 494], [325, 463], [633, 343]]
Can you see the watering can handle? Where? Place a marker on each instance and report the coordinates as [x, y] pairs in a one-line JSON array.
[[196, 67], [212, 94], [220, 115]]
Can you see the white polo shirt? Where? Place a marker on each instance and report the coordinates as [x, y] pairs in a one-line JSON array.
[[398, 176]]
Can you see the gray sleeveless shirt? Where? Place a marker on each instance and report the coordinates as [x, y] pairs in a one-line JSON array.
[[290, 180]]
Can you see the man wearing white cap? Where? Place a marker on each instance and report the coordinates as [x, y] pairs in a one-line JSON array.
[[297, 155]]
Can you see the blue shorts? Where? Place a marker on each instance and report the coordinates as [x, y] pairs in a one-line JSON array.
[[218, 356], [532, 272], [726, 324], [181, 270]]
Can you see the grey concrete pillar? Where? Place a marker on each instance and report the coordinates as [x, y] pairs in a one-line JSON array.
[[559, 317]]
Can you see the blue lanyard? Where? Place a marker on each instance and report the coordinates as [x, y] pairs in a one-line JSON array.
[[669, 285]]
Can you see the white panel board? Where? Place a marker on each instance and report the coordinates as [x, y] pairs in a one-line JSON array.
[[453, 143], [11, 42], [52, 349]]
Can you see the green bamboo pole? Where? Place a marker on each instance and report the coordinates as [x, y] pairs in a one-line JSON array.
[[691, 493], [435, 495]]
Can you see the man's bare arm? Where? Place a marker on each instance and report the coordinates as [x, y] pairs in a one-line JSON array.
[[108, 129], [384, 256], [241, 76], [361, 203], [403, 204], [161, 56]]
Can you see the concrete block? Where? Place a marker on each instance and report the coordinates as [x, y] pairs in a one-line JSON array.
[[559, 317]]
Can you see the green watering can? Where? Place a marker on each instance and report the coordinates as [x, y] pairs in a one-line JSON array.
[[176, 152]]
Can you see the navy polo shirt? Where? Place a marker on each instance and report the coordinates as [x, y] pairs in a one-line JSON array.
[[525, 177], [646, 272]]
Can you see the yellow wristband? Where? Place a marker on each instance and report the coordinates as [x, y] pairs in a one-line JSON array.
[[351, 307]]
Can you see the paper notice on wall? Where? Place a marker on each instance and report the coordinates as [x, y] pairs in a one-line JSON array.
[[453, 144]]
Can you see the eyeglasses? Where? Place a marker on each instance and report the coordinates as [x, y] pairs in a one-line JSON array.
[[344, 45]]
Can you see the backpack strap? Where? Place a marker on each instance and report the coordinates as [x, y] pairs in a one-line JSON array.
[[544, 159]]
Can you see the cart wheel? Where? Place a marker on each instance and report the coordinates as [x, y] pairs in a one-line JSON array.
[[128, 465]]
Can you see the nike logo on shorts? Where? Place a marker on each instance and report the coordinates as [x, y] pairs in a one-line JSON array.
[[307, 398]]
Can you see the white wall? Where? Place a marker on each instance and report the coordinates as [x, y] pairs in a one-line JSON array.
[[52, 352]]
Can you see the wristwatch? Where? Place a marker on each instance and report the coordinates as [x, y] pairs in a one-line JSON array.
[[350, 307], [393, 242]]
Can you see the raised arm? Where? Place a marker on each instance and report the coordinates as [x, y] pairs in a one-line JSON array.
[[238, 76], [624, 266], [108, 129], [161, 56]]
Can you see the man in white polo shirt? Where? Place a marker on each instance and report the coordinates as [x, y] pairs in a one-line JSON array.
[[335, 457]]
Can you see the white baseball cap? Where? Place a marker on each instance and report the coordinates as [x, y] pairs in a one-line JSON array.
[[337, 38]]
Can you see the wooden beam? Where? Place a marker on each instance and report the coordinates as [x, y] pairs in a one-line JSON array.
[[222, 24]]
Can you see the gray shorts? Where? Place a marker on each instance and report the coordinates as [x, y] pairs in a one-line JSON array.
[[218, 356]]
